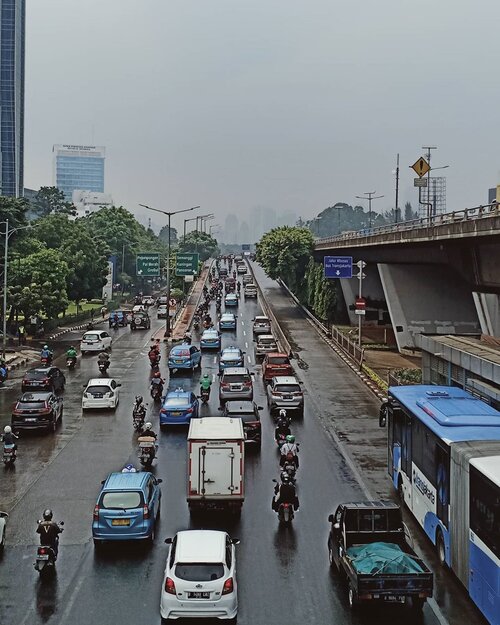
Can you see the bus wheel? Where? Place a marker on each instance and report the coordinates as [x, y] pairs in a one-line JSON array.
[[440, 548]]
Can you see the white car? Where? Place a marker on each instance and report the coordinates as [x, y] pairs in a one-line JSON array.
[[200, 576], [139, 308], [162, 311], [3, 524], [101, 393], [148, 300], [95, 341]]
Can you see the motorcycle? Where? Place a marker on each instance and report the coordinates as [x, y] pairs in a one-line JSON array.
[[290, 467], [46, 557], [45, 361], [71, 363], [115, 325], [103, 366], [147, 450], [280, 441], [154, 361], [138, 416], [285, 513], [9, 454], [156, 392], [204, 395], [196, 324]]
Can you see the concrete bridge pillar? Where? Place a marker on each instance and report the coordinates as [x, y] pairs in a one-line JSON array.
[[488, 311]]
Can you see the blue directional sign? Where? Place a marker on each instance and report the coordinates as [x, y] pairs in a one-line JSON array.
[[338, 266]]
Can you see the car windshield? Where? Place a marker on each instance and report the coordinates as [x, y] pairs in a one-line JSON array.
[[121, 500], [227, 318], [30, 405], [176, 402], [231, 356], [236, 378], [278, 360], [180, 352], [210, 335], [90, 337], [266, 341], [98, 389], [261, 321], [288, 388], [36, 375], [199, 572]]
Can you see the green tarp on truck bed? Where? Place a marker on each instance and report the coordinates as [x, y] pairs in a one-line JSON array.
[[382, 558]]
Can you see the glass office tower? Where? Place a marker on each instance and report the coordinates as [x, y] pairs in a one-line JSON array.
[[78, 167], [12, 34]]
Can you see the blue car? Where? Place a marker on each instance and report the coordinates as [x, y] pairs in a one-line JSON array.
[[231, 299], [179, 406], [231, 357], [184, 357], [127, 508], [210, 339], [227, 321]]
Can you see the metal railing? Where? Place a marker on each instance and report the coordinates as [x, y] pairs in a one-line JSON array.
[[477, 212], [349, 347]]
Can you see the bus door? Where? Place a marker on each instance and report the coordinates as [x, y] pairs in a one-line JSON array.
[[442, 483], [406, 447]]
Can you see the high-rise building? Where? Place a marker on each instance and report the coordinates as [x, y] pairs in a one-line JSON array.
[[78, 167], [12, 33]]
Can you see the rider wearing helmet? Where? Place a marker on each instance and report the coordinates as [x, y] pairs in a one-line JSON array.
[[46, 354], [8, 437], [71, 353], [148, 430], [103, 357], [49, 531], [206, 383], [282, 426], [289, 451], [139, 407], [285, 493]]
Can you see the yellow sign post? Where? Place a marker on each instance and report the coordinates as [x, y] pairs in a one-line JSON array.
[[421, 167]]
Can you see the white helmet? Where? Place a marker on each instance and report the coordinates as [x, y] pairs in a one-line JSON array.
[[7, 429], [148, 426]]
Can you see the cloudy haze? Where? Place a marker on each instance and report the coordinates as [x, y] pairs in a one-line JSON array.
[[293, 105]]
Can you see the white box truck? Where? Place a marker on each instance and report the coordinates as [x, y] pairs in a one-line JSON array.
[[216, 464]]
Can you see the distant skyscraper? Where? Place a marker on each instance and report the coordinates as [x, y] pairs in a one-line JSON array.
[[12, 31], [78, 167]]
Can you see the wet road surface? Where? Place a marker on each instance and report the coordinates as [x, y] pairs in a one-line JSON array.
[[283, 573]]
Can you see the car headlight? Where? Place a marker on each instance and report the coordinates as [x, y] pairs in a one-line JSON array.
[[111, 394], [85, 396]]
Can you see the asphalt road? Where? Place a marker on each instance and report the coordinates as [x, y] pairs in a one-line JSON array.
[[283, 573]]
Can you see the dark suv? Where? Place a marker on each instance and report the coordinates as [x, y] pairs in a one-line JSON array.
[[43, 379], [34, 411], [248, 412]]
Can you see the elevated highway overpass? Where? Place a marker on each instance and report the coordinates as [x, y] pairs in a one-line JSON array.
[[431, 275]]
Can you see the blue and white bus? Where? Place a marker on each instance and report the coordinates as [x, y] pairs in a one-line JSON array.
[[444, 461]]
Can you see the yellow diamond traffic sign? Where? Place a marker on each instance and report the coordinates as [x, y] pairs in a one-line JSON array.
[[421, 167]]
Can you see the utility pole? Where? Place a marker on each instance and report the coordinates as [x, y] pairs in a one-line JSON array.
[[360, 275], [430, 207], [396, 208], [371, 196]]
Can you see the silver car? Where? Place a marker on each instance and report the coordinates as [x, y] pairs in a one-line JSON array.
[[235, 383], [261, 325], [266, 343], [285, 392]]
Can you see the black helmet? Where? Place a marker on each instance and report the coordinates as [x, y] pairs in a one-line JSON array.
[[138, 399], [47, 515]]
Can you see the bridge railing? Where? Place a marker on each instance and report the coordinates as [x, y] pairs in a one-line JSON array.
[[476, 212]]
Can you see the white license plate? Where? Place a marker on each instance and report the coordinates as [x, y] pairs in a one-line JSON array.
[[30, 420], [45, 557], [198, 595]]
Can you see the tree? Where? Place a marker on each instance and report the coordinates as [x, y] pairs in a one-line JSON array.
[[163, 236], [50, 200], [37, 284], [284, 252], [13, 209], [410, 214], [200, 242]]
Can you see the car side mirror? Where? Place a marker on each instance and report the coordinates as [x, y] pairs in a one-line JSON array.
[[382, 415], [102, 482], [252, 372], [168, 541], [159, 480], [219, 408], [235, 541], [61, 522], [243, 352], [260, 407], [275, 481], [330, 518]]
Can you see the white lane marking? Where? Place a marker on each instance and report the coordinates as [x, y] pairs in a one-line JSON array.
[[213, 377], [246, 344], [244, 333], [249, 359], [242, 322], [215, 359]]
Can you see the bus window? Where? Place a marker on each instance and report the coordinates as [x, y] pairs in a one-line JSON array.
[[442, 481], [485, 510]]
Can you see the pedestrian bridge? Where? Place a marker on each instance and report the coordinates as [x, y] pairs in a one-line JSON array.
[[432, 275]]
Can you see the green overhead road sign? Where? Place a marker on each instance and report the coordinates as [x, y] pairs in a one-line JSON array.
[[187, 264], [148, 264]]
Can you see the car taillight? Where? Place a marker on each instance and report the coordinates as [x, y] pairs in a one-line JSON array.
[[145, 512], [163, 411], [252, 424], [189, 410], [225, 384], [228, 586], [170, 586], [96, 512], [298, 393], [46, 380]]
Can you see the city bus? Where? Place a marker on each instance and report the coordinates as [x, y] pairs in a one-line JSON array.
[[444, 461]]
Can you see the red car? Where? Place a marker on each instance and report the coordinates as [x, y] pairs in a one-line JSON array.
[[276, 364]]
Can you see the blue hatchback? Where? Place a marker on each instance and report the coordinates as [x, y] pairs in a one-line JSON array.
[[127, 507], [179, 406], [227, 321], [210, 339], [184, 357], [231, 357]]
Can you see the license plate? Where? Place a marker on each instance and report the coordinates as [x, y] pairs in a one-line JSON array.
[[45, 557], [287, 396], [176, 414], [98, 396], [198, 595], [397, 598], [178, 362], [236, 388], [30, 420], [120, 522]]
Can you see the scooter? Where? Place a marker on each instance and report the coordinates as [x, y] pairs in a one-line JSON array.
[[204, 395], [71, 363], [45, 562], [138, 417], [156, 392], [103, 366], [45, 361], [147, 450], [9, 454], [285, 513], [196, 324]]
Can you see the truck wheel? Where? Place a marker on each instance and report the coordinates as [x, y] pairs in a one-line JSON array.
[[440, 548], [353, 600]]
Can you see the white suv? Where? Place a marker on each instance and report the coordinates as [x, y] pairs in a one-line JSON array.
[[200, 576], [95, 341]]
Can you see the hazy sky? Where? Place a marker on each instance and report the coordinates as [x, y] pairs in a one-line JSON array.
[[295, 104]]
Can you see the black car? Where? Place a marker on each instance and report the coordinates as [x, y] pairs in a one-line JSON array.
[[43, 379], [37, 410], [248, 412], [140, 321]]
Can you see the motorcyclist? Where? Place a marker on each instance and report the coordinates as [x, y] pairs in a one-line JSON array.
[[238, 286], [3, 372], [103, 357], [157, 381], [282, 428], [290, 451], [187, 337], [139, 407], [71, 353], [285, 493], [46, 354], [153, 355], [115, 321], [205, 384], [49, 532], [8, 437], [148, 430]]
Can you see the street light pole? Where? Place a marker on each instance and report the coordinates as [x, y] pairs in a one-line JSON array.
[[185, 222], [371, 196], [169, 215], [211, 227]]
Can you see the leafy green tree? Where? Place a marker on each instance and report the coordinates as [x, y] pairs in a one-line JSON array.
[[50, 200], [163, 236], [284, 252], [410, 214], [200, 242], [37, 284], [13, 209]]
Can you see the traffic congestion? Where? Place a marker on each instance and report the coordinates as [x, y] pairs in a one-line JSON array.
[[209, 445]]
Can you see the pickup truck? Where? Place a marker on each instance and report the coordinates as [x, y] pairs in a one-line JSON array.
[[368, 545]]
